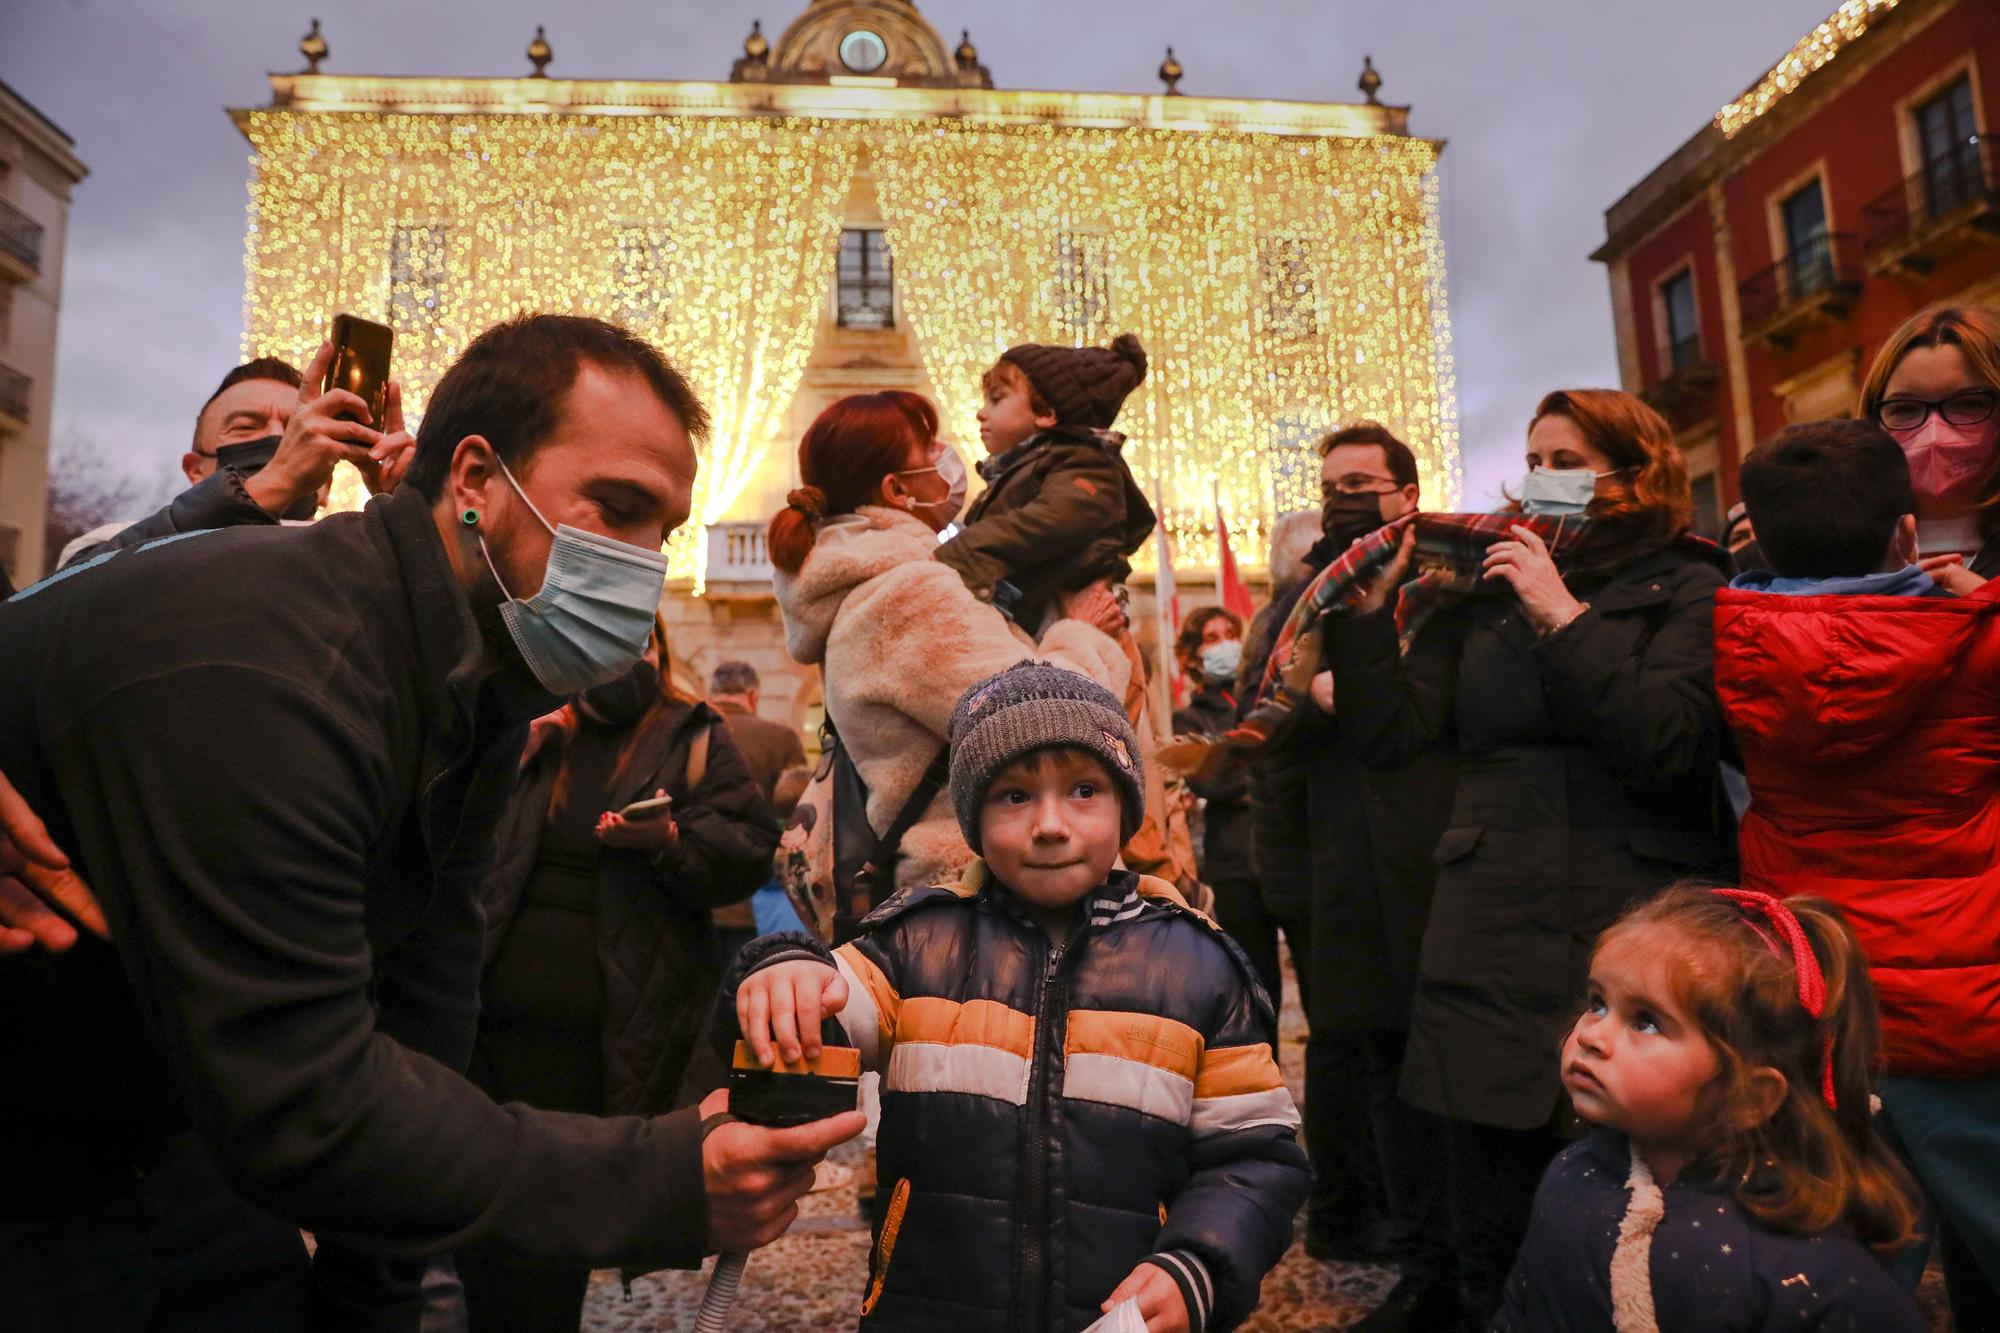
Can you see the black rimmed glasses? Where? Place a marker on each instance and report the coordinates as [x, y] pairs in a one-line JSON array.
[[1961, 409]]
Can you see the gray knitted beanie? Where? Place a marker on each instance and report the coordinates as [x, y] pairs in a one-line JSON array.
[[1032, 707]]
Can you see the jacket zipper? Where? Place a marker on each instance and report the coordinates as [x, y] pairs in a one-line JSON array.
[[1034, 1263]]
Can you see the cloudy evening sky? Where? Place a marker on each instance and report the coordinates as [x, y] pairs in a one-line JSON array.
[[1552, 109]]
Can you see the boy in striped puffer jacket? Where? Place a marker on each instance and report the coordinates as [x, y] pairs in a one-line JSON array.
[[1080, 1099]]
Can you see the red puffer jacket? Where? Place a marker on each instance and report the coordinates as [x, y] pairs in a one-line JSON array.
[[1870, 732]]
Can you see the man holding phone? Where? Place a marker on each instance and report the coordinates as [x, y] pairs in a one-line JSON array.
[[264, 449], [284, 798]]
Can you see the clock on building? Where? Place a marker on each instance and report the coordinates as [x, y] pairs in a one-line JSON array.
[[863, 51]]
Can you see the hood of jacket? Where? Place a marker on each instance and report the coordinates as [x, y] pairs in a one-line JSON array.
[[1837, 677], [849, 550]]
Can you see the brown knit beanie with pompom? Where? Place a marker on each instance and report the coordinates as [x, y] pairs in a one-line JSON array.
[[1085, 385]]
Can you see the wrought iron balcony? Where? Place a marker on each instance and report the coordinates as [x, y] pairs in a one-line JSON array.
[[1952, 202], [736, 554], [20, 244], [1686, 394], [15, 387], [1815, 283]]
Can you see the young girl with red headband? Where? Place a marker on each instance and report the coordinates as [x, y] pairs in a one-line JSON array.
[[1733, 1179]]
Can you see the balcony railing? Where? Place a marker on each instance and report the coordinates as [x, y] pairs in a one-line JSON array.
[[736, 554], [20, 237], [1932, 211], [1816, 281], [15, 387]]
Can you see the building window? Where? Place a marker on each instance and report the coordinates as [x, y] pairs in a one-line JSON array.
[[1948, 140], [1809, 250], [866, 297], [1683, 328], [1291, 305], [1707, 495], [416, 278], [1083, 285]]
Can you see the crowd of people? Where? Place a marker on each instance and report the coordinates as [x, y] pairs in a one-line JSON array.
[[383, 880]]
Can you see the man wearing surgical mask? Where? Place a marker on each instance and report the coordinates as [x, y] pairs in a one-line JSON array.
[[284, 799], [264, 449]]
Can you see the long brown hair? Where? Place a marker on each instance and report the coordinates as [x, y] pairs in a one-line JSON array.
[[843, 457], [1809, 1167], [671, 694], [1654, 498], [1975, 331]]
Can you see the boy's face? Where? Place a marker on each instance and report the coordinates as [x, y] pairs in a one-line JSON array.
[[1009, 415], [1049, 827]]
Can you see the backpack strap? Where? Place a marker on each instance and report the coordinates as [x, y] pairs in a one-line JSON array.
[[883, 859]]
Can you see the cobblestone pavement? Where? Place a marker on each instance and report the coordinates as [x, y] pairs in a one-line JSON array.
[[811, 1280]]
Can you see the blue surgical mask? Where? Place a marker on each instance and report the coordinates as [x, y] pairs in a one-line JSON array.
[[595, 611], [1550, 491], [1219, 661]]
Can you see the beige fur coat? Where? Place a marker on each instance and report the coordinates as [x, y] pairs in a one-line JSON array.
[[898, 639]]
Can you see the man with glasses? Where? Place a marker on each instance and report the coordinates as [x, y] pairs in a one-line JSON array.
[[1372, 838]]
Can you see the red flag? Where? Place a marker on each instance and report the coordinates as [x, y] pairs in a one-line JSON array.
[[1234, 591]]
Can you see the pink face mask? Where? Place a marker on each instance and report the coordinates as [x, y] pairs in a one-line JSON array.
[[1947, 461]]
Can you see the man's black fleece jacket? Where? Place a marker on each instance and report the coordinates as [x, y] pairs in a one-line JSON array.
[[264, 749]]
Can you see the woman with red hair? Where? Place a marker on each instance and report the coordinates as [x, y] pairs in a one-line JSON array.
[[895, 634], [1579, 703]]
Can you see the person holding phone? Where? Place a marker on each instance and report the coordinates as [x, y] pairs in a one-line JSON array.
[[630, 824], [264, 449], [278, 761]]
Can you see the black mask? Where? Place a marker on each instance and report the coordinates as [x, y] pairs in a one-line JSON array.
[[248, 457], [623, 700], [1346, 518], [1750, 556]]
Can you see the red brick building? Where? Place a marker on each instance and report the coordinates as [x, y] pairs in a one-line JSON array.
[[1755, 271]]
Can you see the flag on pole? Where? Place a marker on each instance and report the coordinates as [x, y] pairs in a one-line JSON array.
[[1229, 584], [1167, 612]]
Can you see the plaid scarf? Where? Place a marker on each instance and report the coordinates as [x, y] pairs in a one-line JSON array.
[[1449, 557]]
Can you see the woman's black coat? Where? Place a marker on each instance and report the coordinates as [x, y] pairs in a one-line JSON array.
[[1587, 779], [653, 940]]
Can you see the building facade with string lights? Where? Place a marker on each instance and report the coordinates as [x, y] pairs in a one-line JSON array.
[[1756, 270], [858, 207]]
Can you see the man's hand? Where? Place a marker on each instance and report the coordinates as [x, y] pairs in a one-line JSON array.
[[1949, 572], [1322, 691], [754, 1177], [34, 873], [655, 834], [1159, 1299], [1389, 581], [318, 436], [778, 1008]]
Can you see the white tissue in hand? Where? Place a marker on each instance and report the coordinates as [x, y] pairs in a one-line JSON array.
[[1124, 1318]]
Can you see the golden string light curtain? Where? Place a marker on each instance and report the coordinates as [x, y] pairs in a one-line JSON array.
[[711, 237], [1282, 284]]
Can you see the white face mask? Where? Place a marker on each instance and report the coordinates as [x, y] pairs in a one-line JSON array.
[[941, 514], [1551, 491], [594, 614]]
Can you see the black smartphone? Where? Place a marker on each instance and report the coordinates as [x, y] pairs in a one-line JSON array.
[[360, 363]]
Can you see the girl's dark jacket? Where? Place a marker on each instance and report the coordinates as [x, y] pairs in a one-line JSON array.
[[1714, 1268], [1054, 1116], [653, 939], [1587, 778]]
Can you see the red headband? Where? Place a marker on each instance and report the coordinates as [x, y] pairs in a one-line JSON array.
[[1812, 984]]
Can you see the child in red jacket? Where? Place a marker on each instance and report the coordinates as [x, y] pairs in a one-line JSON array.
[[1866, 705]]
